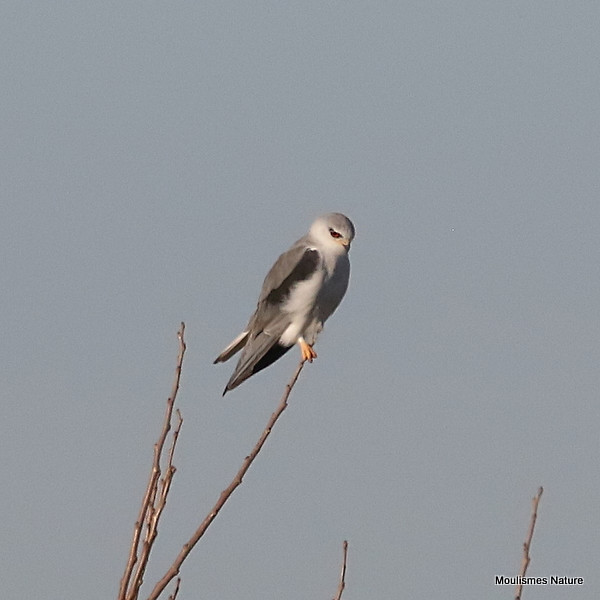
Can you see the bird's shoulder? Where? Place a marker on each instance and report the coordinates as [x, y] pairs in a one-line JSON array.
[[297, 264]]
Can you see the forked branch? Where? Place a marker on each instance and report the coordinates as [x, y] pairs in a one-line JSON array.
[[173, 570], [155, 496]]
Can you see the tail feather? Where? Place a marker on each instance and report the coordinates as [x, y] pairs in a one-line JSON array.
[[235, 346], [259, 353]]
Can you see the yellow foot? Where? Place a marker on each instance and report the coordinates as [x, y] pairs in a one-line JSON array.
[[308, 354]]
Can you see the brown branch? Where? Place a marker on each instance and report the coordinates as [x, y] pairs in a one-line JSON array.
[[342, 585], [527, 544], [150, 511], [173, 570]]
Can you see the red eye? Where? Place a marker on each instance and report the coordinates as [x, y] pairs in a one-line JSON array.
[[334, 233]]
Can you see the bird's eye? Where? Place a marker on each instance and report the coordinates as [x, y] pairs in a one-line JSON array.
[[334, 233]]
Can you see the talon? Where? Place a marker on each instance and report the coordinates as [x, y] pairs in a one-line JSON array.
[[308, 354]]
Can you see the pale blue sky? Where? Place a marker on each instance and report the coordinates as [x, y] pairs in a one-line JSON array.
[[157, 158]]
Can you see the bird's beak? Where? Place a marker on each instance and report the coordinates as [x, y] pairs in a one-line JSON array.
[[345, 243]]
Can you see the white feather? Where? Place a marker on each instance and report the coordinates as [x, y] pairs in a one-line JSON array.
[[299, 306]]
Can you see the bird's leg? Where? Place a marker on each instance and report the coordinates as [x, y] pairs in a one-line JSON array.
[[308, 354]]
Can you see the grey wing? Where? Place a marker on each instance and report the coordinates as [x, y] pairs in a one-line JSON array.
[[261, 340], [287, 270], [295, 265]]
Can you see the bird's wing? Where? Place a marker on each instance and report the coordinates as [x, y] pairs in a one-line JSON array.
[[259, 352], [270, 320], [295, 265]]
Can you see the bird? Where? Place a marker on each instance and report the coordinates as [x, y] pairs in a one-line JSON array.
[[300, 292]]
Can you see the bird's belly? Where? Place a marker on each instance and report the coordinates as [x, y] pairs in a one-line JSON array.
[[300, 307]]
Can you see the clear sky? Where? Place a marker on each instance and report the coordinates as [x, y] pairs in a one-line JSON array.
[[156, 157]]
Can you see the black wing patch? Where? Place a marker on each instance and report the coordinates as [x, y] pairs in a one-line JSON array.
[[274, 353], [306, 266]]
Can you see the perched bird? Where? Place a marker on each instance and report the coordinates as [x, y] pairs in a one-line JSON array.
[[299, 293]]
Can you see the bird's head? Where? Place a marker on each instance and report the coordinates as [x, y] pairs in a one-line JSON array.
[[334, 230]]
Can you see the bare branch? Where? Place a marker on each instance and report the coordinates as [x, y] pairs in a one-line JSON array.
[[342, 585], [149, 512], [527, 544], [173, 570]]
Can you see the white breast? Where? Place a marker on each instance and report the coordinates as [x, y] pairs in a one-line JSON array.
[[300, 306]]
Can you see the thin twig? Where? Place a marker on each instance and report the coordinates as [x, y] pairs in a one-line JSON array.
[[176, 590], [173, 570], [343, 573], [527, 544], [164, 484], [130, 584]]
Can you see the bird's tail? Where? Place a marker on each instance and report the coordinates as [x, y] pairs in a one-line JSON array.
[[259, 352], [235, 346]]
